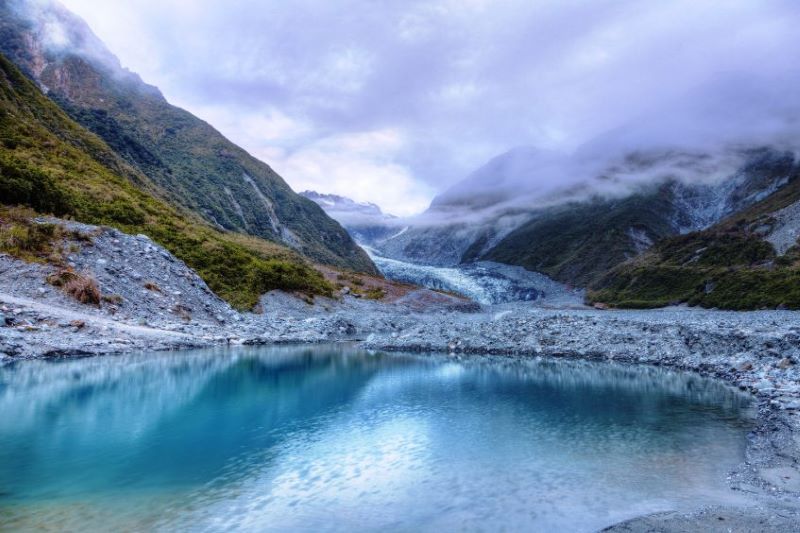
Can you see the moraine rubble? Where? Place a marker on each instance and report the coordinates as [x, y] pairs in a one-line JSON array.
[[755, 351]]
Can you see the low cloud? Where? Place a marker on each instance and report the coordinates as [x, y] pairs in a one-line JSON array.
[[359, 166], [316, 87]]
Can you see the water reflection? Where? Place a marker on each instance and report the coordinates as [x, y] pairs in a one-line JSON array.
[[335, 438]]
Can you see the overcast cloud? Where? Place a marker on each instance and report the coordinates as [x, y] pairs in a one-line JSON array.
[[393, 101]]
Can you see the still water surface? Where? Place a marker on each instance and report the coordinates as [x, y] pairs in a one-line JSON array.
[[333, 438]]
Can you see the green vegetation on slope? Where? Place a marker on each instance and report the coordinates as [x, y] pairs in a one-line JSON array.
[[20, 237], [728, 266], [52, 165], [192, 164]]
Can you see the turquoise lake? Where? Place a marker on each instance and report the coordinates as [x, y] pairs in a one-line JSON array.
[[333, 438]]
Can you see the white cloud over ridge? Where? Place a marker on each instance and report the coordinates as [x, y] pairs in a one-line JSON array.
[[393, 101]]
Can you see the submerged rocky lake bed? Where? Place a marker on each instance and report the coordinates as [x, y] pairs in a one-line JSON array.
[[335, 437]]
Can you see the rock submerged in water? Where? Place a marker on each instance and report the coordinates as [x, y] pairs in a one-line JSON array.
[[764, 385]]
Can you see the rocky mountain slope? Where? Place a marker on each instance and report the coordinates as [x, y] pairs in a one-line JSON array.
[[749, 260], [576, 234], [68, 288], [191, 164], [52, 165], [578, 242]]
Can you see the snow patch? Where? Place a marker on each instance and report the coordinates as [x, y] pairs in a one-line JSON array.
[[786, 229], [402, 231], [640, 239]]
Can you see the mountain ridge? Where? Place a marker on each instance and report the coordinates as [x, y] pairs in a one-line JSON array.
[[53, 165], [584, 237], [737, 263], [365, 221], [189, 161]]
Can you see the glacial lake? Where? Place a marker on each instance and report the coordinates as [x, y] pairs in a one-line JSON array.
[[333, 438]]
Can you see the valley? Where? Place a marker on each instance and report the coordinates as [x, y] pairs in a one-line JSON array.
[[633, 297], [156, 303], [594, 242]]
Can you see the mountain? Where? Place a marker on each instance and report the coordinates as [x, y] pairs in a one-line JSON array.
[[484, 282], [749, 260], [508, 209], [189, 162], [52, 165], [363, 220], [578, 242], [702, 157], [497, 181], [578, 230], [334, 203]]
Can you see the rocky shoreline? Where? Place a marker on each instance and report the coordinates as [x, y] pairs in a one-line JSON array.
[[757, 351]]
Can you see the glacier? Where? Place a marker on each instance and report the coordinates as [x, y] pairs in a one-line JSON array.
[[485, 282]]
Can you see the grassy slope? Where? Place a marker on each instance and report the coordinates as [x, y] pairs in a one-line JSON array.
[[727, 266], [53, 165], [191, 162], [195, 165]]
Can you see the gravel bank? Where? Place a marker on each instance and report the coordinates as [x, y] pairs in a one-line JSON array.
[[756, 351]]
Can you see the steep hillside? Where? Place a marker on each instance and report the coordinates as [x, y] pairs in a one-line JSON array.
[[579, 243], [576, 235], [53, 165], [192, 164], [749, 260], [576, 242]]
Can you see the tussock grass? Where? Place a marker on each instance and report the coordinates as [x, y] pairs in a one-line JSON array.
[[81, 286], [84, 288]]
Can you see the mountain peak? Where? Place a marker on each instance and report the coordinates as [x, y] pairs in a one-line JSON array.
[[342, 204], [42, 33]]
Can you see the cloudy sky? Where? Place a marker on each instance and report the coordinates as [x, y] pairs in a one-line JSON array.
[[392, 101]]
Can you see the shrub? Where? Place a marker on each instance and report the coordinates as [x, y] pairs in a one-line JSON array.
[[375, 293], [113, 299], [350, 278], [30, 241], [152, 286], [182, 311], [23, 184], [84, 288], [61, 277]]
